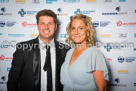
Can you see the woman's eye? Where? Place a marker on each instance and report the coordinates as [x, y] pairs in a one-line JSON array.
[[73, 28], [80, 28]]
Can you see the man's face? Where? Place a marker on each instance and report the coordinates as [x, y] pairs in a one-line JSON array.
[[46, 27]]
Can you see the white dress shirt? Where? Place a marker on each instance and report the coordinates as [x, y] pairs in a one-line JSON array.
[[53, 64]]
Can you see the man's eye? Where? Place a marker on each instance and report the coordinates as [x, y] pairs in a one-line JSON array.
[[50, 23], [41, 23]]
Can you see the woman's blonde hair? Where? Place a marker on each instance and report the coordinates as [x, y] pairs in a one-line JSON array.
[[89, 26]]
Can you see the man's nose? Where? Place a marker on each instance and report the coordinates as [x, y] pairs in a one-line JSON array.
[[46, 26]]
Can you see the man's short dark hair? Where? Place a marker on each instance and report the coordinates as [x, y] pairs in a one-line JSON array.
[[46, 12]]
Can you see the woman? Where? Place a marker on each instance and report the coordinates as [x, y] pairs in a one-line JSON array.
[[85, 67]]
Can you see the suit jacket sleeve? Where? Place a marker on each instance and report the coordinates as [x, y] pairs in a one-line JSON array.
[[15, 71]]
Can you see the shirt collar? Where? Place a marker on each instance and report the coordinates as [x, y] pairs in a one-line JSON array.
[[42, 44]]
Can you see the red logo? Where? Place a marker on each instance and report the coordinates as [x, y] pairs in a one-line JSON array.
[[24, 24], [2, 57], [119, 23]]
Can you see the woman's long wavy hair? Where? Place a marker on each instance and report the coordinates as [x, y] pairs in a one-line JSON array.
[[89, 25]]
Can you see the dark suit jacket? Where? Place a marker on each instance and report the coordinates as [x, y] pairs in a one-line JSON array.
[[25, 73]]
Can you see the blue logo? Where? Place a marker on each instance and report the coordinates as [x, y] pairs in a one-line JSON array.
[[118, 8], [0, 33], [104, 23], [62, 35], [135, 11], [10, 23], [16, 35], [108, 47], [130, 59], [50, 1], [8, 69], [3, 78], [71, 1], [83, 12], [2, 23], [95, 24], [117, 80], [3, 9], [59, 10], [135, 35], [121, 59], [4, 1], [22, 12], [122, 0]]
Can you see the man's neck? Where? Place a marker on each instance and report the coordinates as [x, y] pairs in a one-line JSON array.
[[46, 41]]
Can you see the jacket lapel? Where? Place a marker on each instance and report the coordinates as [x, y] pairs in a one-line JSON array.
[[36, 65]]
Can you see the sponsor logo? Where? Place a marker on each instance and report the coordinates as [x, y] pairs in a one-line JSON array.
[[106, 35], [2, 58], [8, 23], [50, 1], [22, 12], [122, 71], [0, 33], [62, 35], [118, 45], [3, 10], [107, 0], [2, 23], [16, 35], [4, 1], [60, 13], [120, 23], [25, 24], [135, 35], [121, 59], [122, 0], [101, 23], [116, 83], [90, 1], [118, 9], [95, 24], [8, 69], [36, 1], [71, 1], [20, 1], [109, 59], [3, 80], [108, 47], [84, 11], [122, 35], [135, 11], [33, 35], [8, 44]]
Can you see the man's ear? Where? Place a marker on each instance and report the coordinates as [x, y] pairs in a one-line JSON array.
[[56, 26]]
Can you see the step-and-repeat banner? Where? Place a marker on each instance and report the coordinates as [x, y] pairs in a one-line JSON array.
[[114, 22]]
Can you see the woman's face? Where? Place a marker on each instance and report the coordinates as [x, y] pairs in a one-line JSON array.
[[78, 31]]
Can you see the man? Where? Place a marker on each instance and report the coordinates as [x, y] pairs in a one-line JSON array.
[[27, 72]]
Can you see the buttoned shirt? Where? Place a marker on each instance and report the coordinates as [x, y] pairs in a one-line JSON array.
[[53, 64]]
